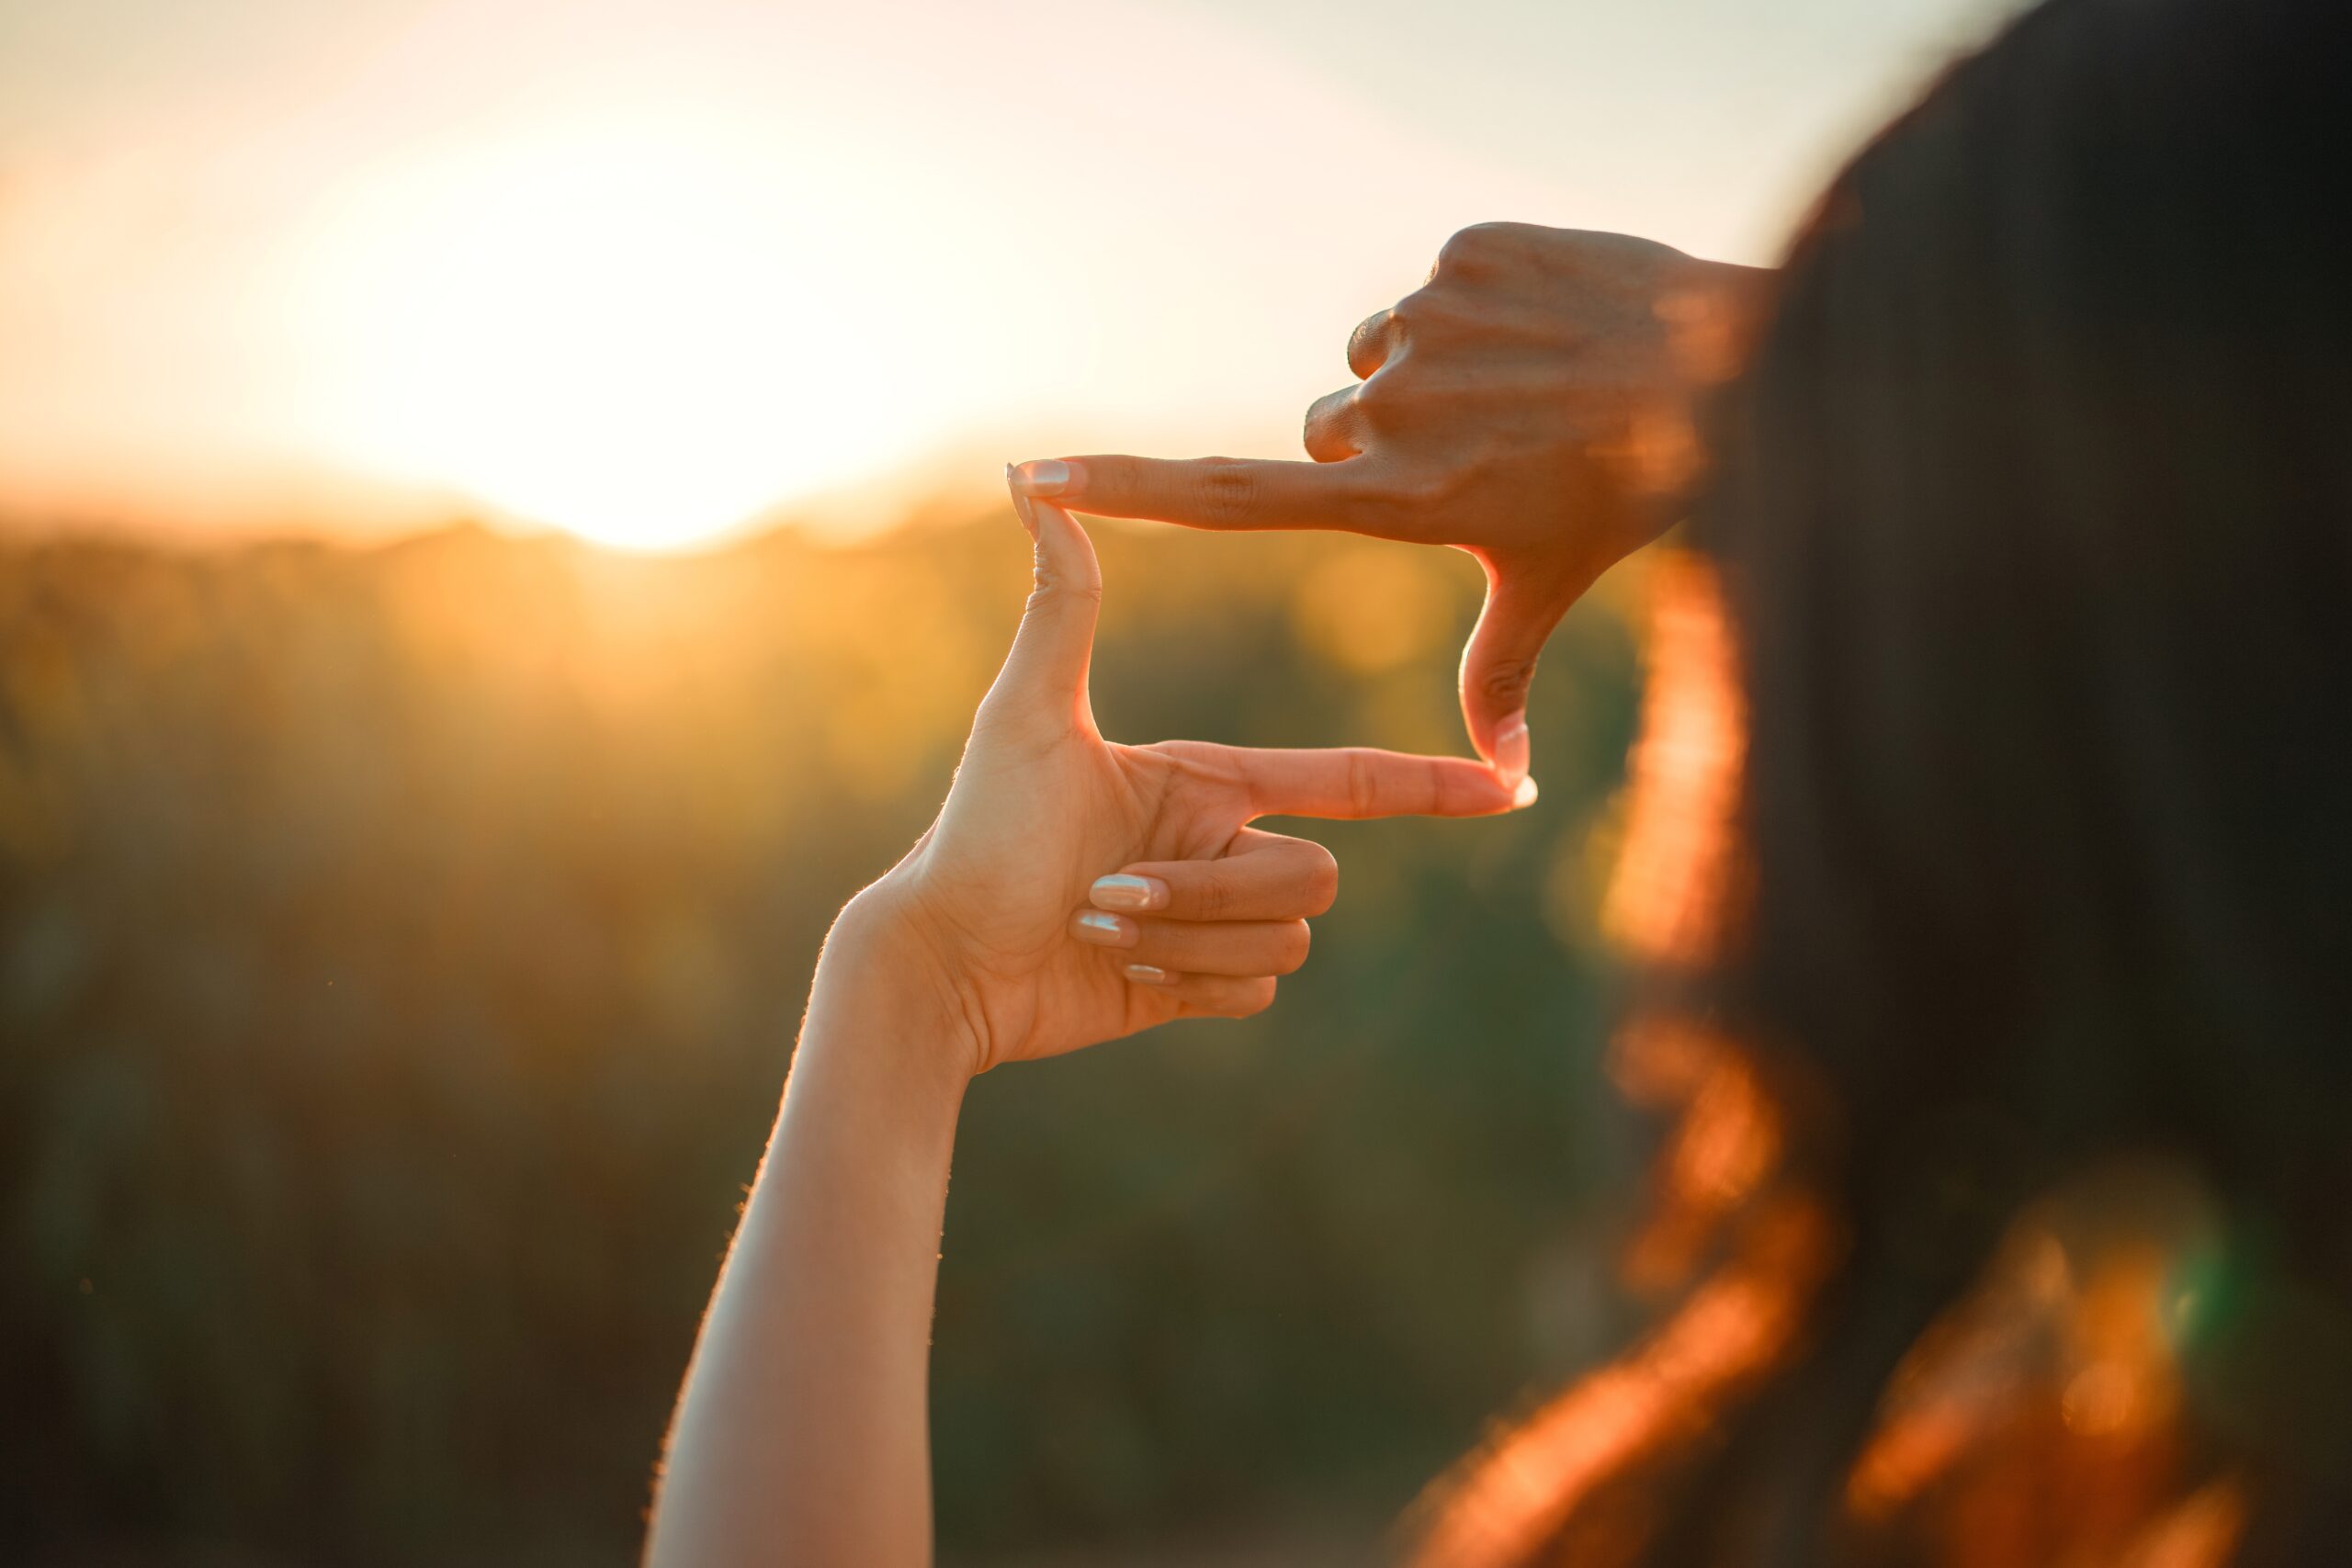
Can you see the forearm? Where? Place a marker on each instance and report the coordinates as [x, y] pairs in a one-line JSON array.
[[1707, 314], [802, 1435], [1719, 327]]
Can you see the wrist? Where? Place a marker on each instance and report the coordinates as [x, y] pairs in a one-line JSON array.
[[883, 974]]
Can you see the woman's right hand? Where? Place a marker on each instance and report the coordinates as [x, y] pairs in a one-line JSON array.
[[1074, 889], [1528, 404]]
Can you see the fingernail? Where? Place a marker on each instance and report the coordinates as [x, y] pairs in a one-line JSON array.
[[1103, 930], [1523, 795], [1125, 892], [1149, 974], [1510, 747], [1046, 476], [1021, 503]]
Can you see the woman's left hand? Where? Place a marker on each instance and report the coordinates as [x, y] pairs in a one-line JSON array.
[[1071, 891], [1074, 890]]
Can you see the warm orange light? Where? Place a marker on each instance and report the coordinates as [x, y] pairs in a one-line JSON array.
[[2041, 1418], [1676, 894], [631, 333]]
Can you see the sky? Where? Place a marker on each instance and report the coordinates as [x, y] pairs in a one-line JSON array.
[[652, 271]]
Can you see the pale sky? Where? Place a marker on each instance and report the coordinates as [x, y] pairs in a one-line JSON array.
[[647, 269]]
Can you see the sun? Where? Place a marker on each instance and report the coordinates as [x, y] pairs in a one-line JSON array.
[[630, 333]]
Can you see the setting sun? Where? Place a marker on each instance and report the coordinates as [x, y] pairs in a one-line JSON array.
[[653, 272], [626, 333], [624, 644]]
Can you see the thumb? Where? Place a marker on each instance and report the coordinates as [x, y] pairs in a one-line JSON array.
[[1046, 672], [1499, 665]]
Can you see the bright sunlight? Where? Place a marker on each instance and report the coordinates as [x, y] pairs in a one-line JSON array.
[[626, 333], [656, 272]]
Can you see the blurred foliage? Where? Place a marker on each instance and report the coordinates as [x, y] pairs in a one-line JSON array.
[[399, 956]]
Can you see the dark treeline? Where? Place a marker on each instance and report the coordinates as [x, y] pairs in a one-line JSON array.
[[399, 954]]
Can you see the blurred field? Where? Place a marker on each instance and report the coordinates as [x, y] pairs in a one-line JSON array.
[[398, 955]]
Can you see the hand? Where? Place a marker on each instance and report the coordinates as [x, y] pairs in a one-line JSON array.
[[1074, 890], [1528, 404]]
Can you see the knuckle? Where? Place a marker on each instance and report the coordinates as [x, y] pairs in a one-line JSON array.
[[1326, 428], [1470, 251], [1359, 783], [1323, 882], [1256, 999], [1324, 446], [1229, 489], [1507, 234], [1114, 477], [1413, 313], [1507, 680], [1210, 899], [1051, 585], [1369, 341], [1290, 956]]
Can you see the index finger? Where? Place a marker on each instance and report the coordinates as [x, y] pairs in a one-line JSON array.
[[1353, 782], [1224, 493]]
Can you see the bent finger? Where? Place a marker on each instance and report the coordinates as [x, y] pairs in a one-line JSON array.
[[1499, 665], [1208, 493], [1371, 343], [1046, 668], [1263, 876], [1207, 995], [1333, 432], [1192, 947], [1356, 781]]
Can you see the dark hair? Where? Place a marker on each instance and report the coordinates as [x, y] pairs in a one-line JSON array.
[[1990, 861], [2034, 510]]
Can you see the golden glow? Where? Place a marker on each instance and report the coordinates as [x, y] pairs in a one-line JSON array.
[[2041, 1419], [645, 269], [1676, 893], [1369, 609], [630, 333], [650, 270]]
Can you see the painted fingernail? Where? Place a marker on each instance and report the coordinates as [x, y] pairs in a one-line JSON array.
[[1149, 974], [1125, 892], [1046, 476], [1103, 930], [1510, 747], [1020, 503], [1523, 795]]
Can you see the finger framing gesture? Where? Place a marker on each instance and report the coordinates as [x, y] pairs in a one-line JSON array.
[[1075, 890], [1528, 404]]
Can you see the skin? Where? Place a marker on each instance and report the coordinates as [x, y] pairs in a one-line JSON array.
[[1530, 404], [801, 1435]]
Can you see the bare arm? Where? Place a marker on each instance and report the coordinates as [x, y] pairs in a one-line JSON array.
[[802, 1436], [1072, 891]]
